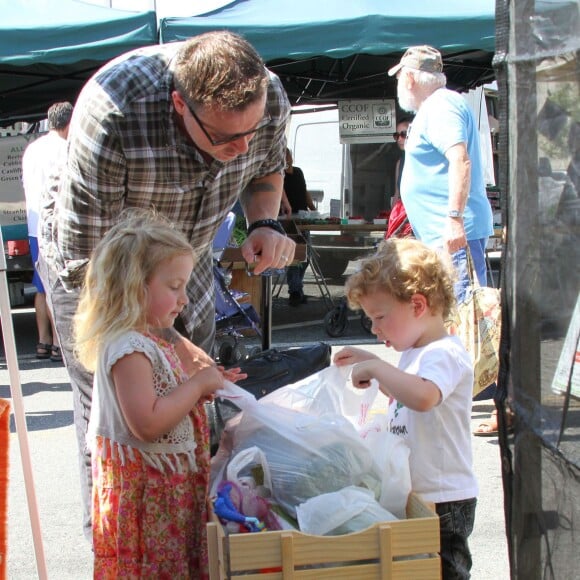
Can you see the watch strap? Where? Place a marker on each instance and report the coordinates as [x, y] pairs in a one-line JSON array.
[[267, 223]]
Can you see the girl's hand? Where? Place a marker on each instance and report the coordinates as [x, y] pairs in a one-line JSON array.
[[192, 358], [233, 374], [209, 380], [350, 355]]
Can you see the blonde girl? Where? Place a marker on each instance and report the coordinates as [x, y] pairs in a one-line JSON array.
[[407, 292], [148, 428]]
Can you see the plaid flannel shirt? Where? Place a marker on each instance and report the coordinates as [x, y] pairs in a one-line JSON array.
[[125, 150]]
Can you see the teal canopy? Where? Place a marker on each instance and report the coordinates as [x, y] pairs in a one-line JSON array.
[[329, 49], [48, 48]]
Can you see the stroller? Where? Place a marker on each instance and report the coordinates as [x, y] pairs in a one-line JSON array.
[[336, 319], [231, 317]]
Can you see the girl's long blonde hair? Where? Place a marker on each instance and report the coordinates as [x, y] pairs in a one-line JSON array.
[[113, 299]]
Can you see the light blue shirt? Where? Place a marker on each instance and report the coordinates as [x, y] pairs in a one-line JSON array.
[[443, 120]]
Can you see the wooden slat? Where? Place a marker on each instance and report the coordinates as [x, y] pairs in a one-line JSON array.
[[423, 569], [212, 547], [258, 576], [287, 555], [360, 572], [386, 552]]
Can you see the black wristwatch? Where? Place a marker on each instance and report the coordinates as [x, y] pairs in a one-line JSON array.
[[269, 223]]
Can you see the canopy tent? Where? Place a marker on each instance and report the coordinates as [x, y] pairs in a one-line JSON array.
[[334, 49], [49, 48]]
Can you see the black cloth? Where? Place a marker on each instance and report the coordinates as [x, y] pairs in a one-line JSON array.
[[295, 188]]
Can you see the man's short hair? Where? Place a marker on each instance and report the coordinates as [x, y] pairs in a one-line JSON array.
[[59, 115], [220, 69]]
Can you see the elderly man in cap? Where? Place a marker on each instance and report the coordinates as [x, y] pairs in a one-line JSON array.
[[442, 186]]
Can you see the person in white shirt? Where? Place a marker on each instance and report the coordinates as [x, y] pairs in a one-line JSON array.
[[407, 291], [41, 158]]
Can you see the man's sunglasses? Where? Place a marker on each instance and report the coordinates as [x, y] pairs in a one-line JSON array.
[[399, 134], [215, 142]]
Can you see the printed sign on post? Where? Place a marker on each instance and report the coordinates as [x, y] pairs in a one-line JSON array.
[[12, 201], [367, 121]]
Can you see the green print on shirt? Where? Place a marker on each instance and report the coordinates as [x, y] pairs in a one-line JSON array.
[[400, 430], [397, 407]]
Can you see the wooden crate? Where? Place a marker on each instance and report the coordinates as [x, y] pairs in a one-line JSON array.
[[402, 549]]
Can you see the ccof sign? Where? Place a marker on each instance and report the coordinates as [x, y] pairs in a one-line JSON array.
[[366, 121]]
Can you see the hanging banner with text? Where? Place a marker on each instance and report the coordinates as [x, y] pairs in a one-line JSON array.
[[363, 121], [12, 202]]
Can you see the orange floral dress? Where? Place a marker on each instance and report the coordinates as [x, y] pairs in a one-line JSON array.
[[149, 523]]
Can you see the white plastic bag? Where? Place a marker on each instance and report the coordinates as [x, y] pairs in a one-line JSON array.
[[328, 391], [348, 510], [311, 454], [391, 454]]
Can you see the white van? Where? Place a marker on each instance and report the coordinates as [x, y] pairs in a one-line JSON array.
[[357, 179]]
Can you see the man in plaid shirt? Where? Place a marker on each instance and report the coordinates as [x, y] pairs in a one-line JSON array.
[[186, 128]]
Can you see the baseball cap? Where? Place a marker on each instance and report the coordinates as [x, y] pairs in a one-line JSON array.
[[424, 58]]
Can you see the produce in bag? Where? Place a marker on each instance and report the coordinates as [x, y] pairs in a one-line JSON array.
[[331, 390]]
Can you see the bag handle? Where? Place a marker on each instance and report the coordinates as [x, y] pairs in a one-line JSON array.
[[473, 279]]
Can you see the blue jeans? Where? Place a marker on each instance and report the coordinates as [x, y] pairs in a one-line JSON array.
[[295, 277], [459, 259], [456, 520]]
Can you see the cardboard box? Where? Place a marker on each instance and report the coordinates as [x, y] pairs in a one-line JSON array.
[[398, 549]]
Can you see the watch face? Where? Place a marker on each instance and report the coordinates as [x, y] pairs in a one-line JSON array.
[[455, 214]]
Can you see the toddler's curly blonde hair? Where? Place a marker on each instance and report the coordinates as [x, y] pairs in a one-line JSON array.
[[402, 267]]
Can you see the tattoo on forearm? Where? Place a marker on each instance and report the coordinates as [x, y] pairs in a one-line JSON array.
[[260, 187]]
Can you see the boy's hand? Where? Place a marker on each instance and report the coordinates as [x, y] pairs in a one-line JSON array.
[[362, 374], [350, 355]]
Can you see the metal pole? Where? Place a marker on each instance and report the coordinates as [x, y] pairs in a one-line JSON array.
[[19, 416], [266, 311]]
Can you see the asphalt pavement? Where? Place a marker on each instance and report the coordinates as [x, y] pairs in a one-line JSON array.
[[48, 406]]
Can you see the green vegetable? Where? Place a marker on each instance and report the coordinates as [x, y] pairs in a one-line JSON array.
[[240, 232]]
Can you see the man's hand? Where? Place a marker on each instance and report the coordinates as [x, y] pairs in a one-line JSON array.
[[267, 248], [454, 238]]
